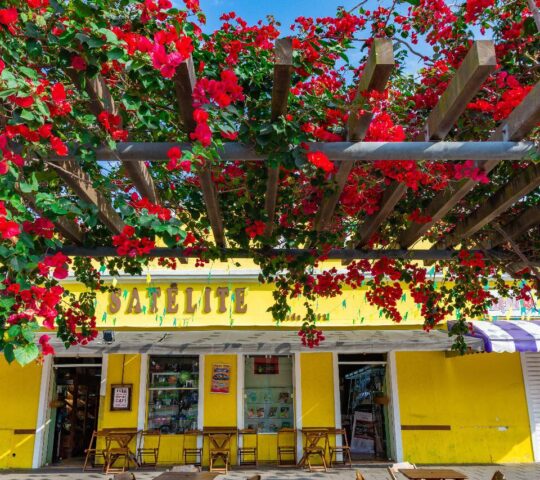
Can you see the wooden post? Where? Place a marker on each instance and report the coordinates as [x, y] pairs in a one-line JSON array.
[[283, 67], [184, 82], [377, 71]]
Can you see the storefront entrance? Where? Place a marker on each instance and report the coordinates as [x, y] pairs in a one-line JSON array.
[[364, 400], [74, 408]]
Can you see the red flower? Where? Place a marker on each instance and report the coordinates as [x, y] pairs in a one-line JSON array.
[[42, 227], [58, 262], [37, 3], [23, 102], [58, 146], [46, 349], [320, 160], [58, 92], [78, 63], [229, 135], [417, 217], [9, 228], [255, 229], [203, 134], [8, 16]]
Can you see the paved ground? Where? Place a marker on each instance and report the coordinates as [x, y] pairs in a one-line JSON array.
[[512, 472]]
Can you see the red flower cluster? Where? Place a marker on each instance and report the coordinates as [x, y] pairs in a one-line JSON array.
[[165, 62], [113, 125], [320, 160], [153, 209], [202, 132], [175, 154], [132, 247], [310, 336], [81, 327], [474, 9], [8, 156], [8, 228], [471, 260], [221, 92], [35, 302], [8, 17], [468, 169], [46, 348], [417, 217], [255, 229], [59, 262], [41, 227]]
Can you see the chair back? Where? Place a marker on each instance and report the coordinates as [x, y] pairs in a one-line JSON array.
[[151, 438], [498, 475], [394, 469], [245, 434], [316, 439], [284, 435], [343, 433]]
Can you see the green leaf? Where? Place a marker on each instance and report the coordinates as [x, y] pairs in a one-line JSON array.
[[28, 115], [25, 355], [115, 53], [14, 331], [32, 186], [8, 353], [28, 334]]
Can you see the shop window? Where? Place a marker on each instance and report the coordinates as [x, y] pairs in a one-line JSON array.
[[268, 393], [173, 397]]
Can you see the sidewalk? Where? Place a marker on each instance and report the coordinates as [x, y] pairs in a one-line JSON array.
[[476, 472]]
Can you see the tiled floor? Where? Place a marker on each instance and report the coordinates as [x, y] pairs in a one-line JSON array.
[[484, 472]]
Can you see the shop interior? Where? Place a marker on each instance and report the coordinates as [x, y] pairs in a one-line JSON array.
[[364, 400]]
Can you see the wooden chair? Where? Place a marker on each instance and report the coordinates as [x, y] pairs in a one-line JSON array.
[[145, 451], [498, 475], [116, 448], [248, 449], [285, 448], [219, 451], [92, 451], [394, 469], [192, 452], [316, 444], [344, 449]]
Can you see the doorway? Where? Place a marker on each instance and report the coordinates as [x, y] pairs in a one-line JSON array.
[[74, 408], [364, 400]]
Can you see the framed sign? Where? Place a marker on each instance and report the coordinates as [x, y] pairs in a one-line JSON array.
[[221, 378], [121, 397]]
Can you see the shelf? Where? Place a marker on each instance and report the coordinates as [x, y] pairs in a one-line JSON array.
[[173, 388]]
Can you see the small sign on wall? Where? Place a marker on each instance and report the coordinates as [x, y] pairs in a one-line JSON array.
[[121, 397], [221, 378]]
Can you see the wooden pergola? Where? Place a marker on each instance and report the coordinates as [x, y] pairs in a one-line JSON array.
[[505, 144]]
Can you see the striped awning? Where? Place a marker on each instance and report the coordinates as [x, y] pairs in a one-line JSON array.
[[508, 335]]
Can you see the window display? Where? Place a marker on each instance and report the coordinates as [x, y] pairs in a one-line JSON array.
[[268, 393], [173, 398]]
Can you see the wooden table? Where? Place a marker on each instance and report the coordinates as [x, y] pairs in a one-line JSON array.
[[187, 476], [432, 474]]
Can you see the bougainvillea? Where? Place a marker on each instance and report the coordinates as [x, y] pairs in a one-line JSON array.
[[50, 53]]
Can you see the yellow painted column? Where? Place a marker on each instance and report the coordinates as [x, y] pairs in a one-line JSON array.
[[220, 409], [18, 413], [317, 381], [469, 409]]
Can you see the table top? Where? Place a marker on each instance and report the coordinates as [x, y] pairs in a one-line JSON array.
[[432, 474], [187, 476]]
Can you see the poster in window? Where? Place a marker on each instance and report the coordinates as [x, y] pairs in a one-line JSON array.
[[221, 378], [121, 397], [266, 365]]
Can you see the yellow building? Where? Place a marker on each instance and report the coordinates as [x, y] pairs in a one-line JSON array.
[[195, 348]]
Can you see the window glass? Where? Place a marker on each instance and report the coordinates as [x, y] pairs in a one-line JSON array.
[[173, 394], [268, 393]]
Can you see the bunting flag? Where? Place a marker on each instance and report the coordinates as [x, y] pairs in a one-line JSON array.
[[114, 282]]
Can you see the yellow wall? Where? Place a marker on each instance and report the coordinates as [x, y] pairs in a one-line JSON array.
[[18, 411], [481, 397]]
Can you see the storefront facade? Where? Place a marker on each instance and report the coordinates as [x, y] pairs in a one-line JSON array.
[[196, 349]]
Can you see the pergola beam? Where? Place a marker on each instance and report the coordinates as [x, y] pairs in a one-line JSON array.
[[184, 83], [283, 68], [347, 152], [479, 62], [336, 254], [518, 124], [519, 186], [79, 181], [515, 228], [101, 100], [377, 71]]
